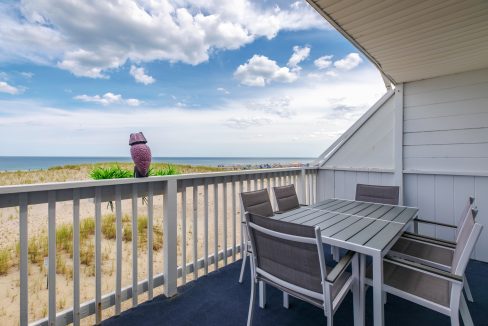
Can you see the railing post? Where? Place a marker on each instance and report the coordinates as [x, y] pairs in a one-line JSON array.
[[170, 238], [302, 185]]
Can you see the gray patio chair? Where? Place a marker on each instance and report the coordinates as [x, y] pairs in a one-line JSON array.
[[431, 251], [378, 194], [254, 202], [290, 257], [286, 198], [457, 228], [431, 287]]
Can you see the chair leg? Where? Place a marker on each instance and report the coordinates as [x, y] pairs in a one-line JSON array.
[[243, 267], [465, 315], [286, 300], [251, 304], [467, 290], [454, 318], [335, 253], [262, 294]]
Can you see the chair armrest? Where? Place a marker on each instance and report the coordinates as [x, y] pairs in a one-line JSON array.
[[418, 220], [435, 241], [439, 273], [341, 266]]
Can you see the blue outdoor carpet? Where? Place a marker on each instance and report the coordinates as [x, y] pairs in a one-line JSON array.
[[218, 299]]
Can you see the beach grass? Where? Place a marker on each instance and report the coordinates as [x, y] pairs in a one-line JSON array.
[[82, 172]]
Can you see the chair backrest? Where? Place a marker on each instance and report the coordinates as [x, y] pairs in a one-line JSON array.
[[378, 194], [464, 216], [467, 240], [286, 198], [257, 202], [288, 254]]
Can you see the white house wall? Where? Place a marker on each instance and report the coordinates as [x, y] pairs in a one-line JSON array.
[[442, 197], [371, 145], [445, 153], [446, 124]]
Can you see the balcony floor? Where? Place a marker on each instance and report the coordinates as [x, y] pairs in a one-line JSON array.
[[219, 299]]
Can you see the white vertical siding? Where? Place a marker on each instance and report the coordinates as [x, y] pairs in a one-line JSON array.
[[342, 184], [442, 198], [446, 123]]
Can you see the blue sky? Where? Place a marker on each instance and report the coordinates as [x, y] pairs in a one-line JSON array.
[[199, 78]]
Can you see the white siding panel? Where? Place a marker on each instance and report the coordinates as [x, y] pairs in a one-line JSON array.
[[447, 150], [481, 194], [478, 120], [410, 190], [329, 183], [443, 197], [447, 95], [463, 189], [362, 177], [446, 124], [444, 205], [350, 185], [387, 179], [426, 201], [339, 191], [462, 136], [342, 184], [471, 106], [371, 146], [447, 82], [478, 165], [375, 178]]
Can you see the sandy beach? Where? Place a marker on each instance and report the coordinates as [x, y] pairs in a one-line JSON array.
[[37, 229]]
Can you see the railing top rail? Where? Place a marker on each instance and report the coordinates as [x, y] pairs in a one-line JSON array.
[[114, 182]]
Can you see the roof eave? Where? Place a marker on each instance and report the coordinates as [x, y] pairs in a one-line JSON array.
[[351, 39]]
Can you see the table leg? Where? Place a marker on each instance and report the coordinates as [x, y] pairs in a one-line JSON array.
[[362, 289], [356, 293], [378, 290]]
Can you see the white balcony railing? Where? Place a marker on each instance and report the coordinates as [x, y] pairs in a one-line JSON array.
[[177, 221]]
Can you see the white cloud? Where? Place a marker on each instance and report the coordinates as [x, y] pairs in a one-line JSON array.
[[140, 75], [331, 73], [350, 61], [214, 130], [133, 102], [299, 54], [223, 90], [260, 71], [279, 106], [244, 123], [56, 32], [9, 89], [108, 99], [27, 75], [323, 62]]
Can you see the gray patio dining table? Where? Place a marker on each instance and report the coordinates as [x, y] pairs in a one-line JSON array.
[[366, 228]]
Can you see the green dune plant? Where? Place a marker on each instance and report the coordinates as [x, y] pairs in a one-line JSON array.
[[111, 172], [163, 171]]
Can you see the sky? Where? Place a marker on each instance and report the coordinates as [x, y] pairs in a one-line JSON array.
[[197, 77]]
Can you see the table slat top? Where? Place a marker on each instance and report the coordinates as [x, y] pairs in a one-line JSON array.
[[359, 224]]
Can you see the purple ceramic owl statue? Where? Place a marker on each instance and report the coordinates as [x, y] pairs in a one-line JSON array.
[[141, 154]]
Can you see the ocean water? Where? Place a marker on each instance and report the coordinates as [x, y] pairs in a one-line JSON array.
[[22, 163]]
